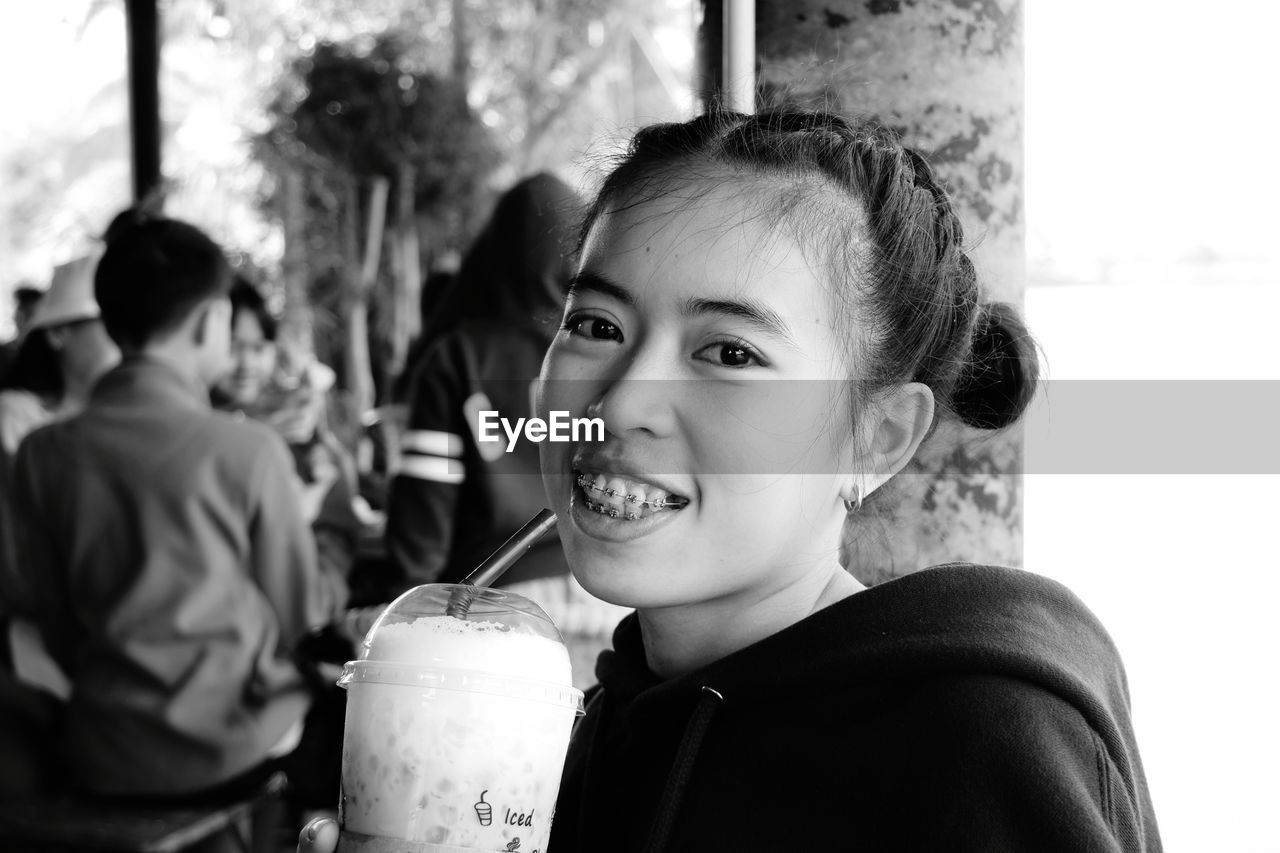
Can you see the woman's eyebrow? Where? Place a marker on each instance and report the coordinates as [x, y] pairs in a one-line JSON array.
[[590, 282], [754, 313]]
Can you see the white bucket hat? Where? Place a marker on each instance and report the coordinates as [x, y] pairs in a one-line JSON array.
[[70, 295]]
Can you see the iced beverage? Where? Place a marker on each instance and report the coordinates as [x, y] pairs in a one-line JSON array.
[[456, 728]]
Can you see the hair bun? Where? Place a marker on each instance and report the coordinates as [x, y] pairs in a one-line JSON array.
[[997, 384]]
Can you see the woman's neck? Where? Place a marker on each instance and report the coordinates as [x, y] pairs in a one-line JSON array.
[[680, 639]]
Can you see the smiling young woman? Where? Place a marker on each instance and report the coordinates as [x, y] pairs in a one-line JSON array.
[[771, 314]]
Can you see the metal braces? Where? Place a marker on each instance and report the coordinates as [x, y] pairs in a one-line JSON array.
[[588, 484]]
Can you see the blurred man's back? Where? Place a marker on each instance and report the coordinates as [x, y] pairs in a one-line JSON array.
[[166, 563]]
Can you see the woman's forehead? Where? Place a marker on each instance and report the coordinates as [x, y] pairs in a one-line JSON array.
[[686, 221], [721, 203], [728, 232]]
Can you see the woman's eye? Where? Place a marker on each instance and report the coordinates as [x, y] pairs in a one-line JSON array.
[[729, 354], [596, 328]]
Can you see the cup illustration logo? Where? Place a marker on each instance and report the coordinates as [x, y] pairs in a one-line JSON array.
[[484, 811]]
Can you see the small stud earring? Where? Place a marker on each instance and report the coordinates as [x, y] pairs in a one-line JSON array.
[[856, 503]]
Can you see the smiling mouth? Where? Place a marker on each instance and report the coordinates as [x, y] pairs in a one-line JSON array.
[[618, 497]]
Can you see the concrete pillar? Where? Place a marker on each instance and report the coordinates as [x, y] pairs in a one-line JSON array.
[[947, 74]]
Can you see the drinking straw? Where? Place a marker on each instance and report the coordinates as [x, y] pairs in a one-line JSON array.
[[499, 561]]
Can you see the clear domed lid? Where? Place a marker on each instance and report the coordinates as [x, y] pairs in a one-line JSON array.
[[494, 607], [455, 636]]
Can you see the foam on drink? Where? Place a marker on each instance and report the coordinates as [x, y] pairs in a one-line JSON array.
[[489, 646], [455, 735]]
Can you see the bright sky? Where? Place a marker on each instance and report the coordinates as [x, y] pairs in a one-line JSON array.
[[1151, 128], [54, 83], [1151, 134]]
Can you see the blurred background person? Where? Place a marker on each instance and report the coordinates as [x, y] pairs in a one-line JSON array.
[[64, 351], [163, 557], [289, 394], [437, 294], [60, 352], [453, 500], [25, 299], [293, 403], [452, 503]]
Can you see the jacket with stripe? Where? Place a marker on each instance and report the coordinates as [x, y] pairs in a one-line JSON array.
[[454, 499]]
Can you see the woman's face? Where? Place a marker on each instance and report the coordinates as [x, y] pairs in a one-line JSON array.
[[706, 342], [253, 358]]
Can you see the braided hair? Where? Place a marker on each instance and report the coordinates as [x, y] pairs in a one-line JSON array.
[[886, 227]]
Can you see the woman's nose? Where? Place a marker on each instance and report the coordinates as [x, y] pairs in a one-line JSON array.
[[637, 400]]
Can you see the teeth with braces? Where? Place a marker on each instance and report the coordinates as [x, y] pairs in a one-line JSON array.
[[589, 486], [605, 509]]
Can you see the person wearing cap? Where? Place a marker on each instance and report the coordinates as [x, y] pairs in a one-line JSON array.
[[163, 555], [64, 351], [25, 299]]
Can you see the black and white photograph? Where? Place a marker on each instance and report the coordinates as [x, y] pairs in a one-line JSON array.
[[639, 426]]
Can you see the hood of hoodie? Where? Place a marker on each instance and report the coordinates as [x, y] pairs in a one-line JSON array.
[[517, 270], [947, 620]]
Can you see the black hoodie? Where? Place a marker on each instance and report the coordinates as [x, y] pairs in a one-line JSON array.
[[961, 708], [454, 500]]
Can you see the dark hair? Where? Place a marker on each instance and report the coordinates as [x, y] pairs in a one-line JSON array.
[[154, 273], [901, 251], [245, 297], [35, 368], [518, 268], [26, 295]]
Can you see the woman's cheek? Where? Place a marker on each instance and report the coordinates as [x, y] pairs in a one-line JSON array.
[[566, 385]]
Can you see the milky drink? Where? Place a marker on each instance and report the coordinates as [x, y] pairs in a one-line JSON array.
[[456, 729]]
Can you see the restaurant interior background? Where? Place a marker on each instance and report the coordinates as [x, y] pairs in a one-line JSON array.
[[1152, 257]]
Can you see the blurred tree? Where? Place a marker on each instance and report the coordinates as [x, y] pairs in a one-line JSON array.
[[350, 125], [545, 77], [527, 66]]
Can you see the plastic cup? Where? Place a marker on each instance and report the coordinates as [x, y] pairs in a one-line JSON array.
[[456, 728]]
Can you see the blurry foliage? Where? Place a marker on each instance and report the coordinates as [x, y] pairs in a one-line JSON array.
[[529, 65], [368, 113], [474, 103], [372, 89], [347, 113]]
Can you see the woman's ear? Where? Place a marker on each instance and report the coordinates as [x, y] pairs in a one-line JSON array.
[[898, 419]]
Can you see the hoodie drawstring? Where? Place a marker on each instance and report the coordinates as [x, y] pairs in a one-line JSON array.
[[682, 769], [592, 737]]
